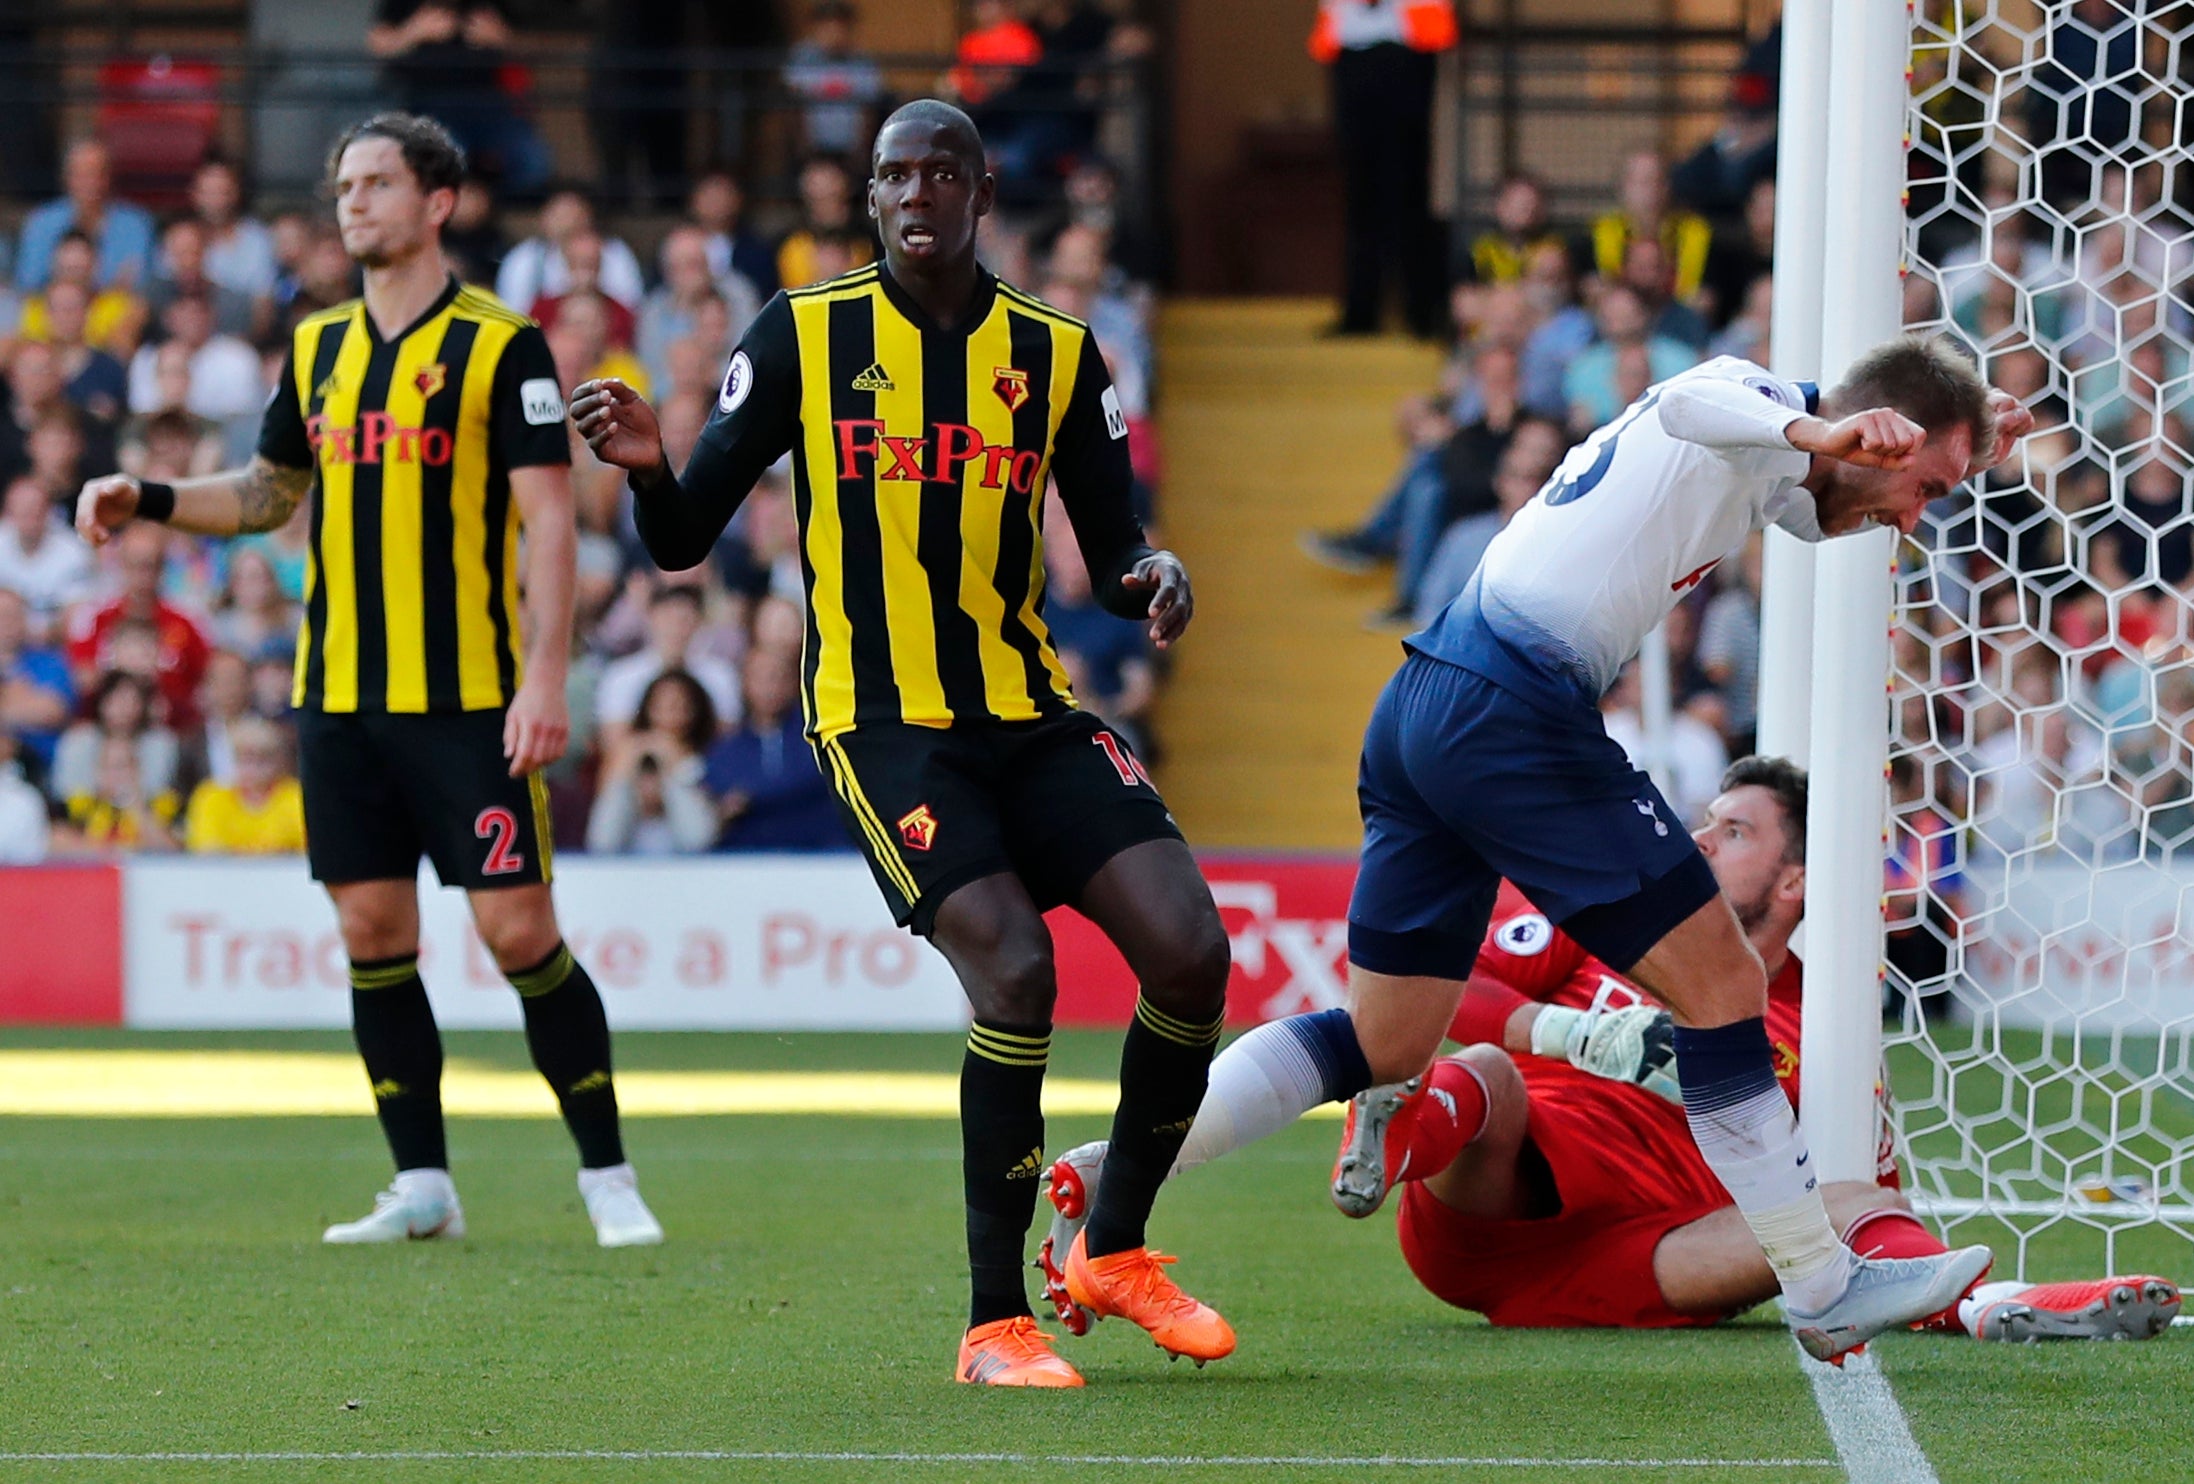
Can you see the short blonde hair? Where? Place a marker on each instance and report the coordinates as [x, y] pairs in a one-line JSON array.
[[1926, 378]]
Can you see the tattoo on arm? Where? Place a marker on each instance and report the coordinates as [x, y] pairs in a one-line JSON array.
[[267, 495]]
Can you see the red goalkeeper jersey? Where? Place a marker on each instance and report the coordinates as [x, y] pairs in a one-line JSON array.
[[1529, 956]]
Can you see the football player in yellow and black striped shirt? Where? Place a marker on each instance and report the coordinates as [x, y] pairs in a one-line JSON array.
[[426, 422], [925, 404]]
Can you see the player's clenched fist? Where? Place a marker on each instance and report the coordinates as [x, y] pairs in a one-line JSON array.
[[1875, 439], [2011, 420], [618, 425], [104, 506]]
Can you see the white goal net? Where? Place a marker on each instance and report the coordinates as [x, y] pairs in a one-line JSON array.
[[2040, 893]]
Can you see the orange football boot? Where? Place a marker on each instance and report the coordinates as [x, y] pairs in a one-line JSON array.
[[1133, 1285], [1012, 1352], [2138, 1307], [1366, 1167]]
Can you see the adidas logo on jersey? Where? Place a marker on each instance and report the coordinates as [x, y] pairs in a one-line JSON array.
[[874, 379]]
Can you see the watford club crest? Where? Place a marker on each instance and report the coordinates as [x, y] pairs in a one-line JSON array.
[[1011, 386], [919, 828], [430, 379]]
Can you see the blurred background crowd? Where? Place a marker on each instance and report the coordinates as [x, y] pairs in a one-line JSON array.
[[144, 690], [2045, 650], [2044, 674]]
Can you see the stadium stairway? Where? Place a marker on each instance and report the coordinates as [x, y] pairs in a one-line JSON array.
[[1268, 431]]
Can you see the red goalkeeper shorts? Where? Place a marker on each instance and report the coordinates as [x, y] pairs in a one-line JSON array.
[[1627, 1173]]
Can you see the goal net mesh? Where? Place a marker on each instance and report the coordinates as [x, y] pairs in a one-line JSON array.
[[2040, 882]]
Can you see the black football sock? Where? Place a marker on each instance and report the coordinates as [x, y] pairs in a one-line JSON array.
[[393, 1026], [1163, 1067], [569, 1037], [1001, 1160]]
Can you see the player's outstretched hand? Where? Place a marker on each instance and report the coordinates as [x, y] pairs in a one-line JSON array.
[[1875, 439], [618, 425], [1172, 605], [536, 727], [2012, 420], [104, 506]]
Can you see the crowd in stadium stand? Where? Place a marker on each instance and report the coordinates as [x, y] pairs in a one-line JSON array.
[[1556, 333], [2051, 625], [128, 684], [144, 691]]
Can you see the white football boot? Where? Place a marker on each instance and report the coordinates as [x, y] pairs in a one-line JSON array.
[[419, 1206], [1886, 1293], [620, 1217], [1071, 1187]]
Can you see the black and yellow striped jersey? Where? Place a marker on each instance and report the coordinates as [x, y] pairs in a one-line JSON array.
[[920, 457], [411, 587]]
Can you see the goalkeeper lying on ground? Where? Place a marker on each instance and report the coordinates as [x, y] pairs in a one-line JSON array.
[[1548, 1176]]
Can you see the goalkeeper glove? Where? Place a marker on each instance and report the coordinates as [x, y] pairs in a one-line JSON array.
[[1636, 1044]]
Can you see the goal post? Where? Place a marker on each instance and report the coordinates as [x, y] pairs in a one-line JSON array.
[[1785, 707], [2022, 669], [1860, 302]]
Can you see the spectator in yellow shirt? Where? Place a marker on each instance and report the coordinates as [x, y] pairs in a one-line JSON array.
[[117, 814], [114, 318], [262, 813], [583, 348], [1648, 211], [831, 238]]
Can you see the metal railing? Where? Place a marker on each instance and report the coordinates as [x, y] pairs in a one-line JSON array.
[[1568, 102], [598, 114]]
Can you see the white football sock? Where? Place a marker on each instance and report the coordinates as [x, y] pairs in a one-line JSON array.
[[1984, 1294], [1269, 1078], [431, 1183], [1756, 1149], [608, 1175]]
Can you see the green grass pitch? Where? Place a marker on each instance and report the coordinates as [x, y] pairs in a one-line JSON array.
[[163, 1291]]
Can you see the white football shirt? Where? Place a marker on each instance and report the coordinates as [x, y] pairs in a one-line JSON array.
[[1633, 519]]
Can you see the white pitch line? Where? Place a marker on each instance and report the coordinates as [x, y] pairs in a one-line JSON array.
[[1128, 1460], [1869, 1428]]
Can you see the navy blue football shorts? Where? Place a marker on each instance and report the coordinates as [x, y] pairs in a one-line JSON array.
[[1463, 783]]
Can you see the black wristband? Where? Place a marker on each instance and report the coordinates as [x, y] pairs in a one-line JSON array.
[[665, 480], [155, 501]]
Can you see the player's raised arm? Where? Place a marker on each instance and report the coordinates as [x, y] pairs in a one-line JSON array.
[[756, 417], [1096, 485], [1718, 413], [261, 496], [1724, 414]]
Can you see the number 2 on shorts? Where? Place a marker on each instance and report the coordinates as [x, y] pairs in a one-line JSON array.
[[501, 825]]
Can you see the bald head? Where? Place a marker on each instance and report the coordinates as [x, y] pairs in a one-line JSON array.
[[927, 189], [940, 126]]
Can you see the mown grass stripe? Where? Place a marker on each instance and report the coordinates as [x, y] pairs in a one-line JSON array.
[[1113, 1460]]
